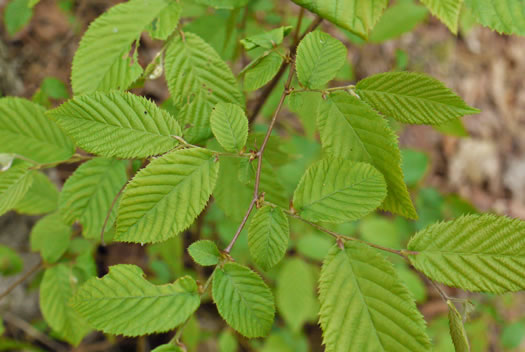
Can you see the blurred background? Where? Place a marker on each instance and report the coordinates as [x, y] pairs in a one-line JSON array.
[[476, 165]]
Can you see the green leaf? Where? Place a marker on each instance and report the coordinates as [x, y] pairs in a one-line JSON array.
[[415, 165], [223, 4], [10, 261], [204, 252], [269, 180], [267, 40], [124, 303], [117, 124], [227, 342], [17, 14], [357, 16], [319, 59], [25, 130], [482, 253], [447, 11], [338, 190], [41, 198], [268, 236], [243, 300], [350, 129], [167, 348], [198, 79], [398, 19], [88, 193], [50, 236], [102, 60], [452, 127], [363, 303], [261, 71], [230, 126], [503, 16], [457, 330], [295, 293], [14, 184], [412, 98], [163, 25], [56, 289], [166, 196]]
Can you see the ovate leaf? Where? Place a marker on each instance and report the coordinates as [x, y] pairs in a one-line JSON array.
[[167, 348], [398, 19], [447, 11], [261, 71], [474, 252], [243, 300], [204, 252], [295, 294], [125, 303], [14, 184], [102, 60], [88, 194], [319, 58], [166, 22], [10, 262], [350, 129], [412, 98], [57, 288], [25, 130], [41, 198], [165, 197], [457, 329], [338, 190], [503, 16], [357, 16], [198, 79], [364, 303], [267, 40], [51, 237], [117, 124], [230, 126], [268, 236]]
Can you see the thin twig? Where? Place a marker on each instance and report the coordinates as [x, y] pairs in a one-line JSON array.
[[24, 277], [106, 220], [33, 333], [298, 26], [339, 236], [269, 88]]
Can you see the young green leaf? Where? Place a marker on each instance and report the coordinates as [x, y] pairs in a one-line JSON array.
[[319, 58], [41, 198], [267, 40], [338, 190], [268, 236], [199, 79], [124, 303], [364, 303], [357, 16], [10, 262], [87, 195], [25, 130], [295, 293], [163, 25], [117, 124], [51, 237], [457, 329], [204, 252], [166, 196], [503, 16], [482, 253], [412, 98], [227, 341], [397, 20], [230, 126], [447, 11], [17, 14], [261, 71], [14, 184], [243, 300], [350, 129], [56, 289], [102, 60], [167, 348]]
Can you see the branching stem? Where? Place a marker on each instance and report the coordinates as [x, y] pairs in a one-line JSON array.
[[23, 278]]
